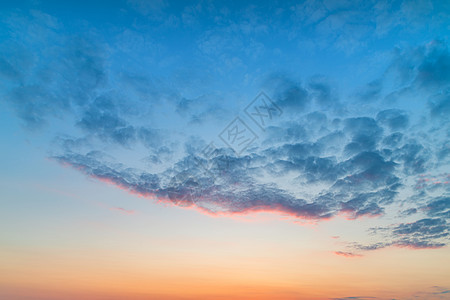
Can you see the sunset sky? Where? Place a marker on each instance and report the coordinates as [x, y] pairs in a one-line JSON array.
[[224, 150]]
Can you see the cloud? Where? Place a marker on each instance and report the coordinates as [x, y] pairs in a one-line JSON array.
[[371, 91], [347, 254], [423, 68], [289, 95], [322, 92], [101, 119], [123, 210], [360, 185], [428, 233], [394, 119], [354, 298], [63, 79], [439, 207], [434, 69], [434, 292], [440, 104], [189, 186]]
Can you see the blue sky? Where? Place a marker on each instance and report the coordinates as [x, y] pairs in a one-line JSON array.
[[363, 91], [353, 121]]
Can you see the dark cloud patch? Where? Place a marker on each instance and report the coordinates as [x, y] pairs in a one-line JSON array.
[[293, 96], [393, 140], [288, 94], [421, 227], [360, 206], [428, 233], [316, 119], [434, 69], [423, 67], [72, 73], [444, 152], [107, 125], [332, 142], [199, 189], [152, 138], [362, 126], [409, 212], [321, 92], [367, 170], [198, 110], [440, 104], [374, 246], [290, 132], [394, 119], [84, 69], [72, 79], [413, 157], [320, 169], [364, 132], [34, 104], [439, 207], [371, 91]]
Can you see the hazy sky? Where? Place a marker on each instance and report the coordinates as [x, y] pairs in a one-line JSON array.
[[224, 150]]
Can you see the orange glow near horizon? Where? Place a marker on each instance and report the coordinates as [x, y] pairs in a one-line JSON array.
[[111, 274]]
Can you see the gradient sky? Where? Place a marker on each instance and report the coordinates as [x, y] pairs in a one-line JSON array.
[[224, 150]]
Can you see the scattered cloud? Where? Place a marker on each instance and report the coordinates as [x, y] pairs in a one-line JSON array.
[[123, 210], [347, 254]]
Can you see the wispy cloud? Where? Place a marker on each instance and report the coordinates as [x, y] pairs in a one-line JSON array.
[[347, 254], [123, 210]]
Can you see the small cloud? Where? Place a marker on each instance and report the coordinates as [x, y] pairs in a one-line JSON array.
[[347, 254], [354, 298], [123, 210]]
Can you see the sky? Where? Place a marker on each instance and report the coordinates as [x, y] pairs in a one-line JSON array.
[[224, 150]]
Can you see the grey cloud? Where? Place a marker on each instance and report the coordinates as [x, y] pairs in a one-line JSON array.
[[423, 67], [393, 140], [439, 207], [289, 132], [62, 85], [422, 227], [108, 126], [33, 104], [413, 156], [421, 234], [365, 134], [371, 91], [440, 104], [322, 92], [288, 94], [434, 70], [199, 189], [394, 119]]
